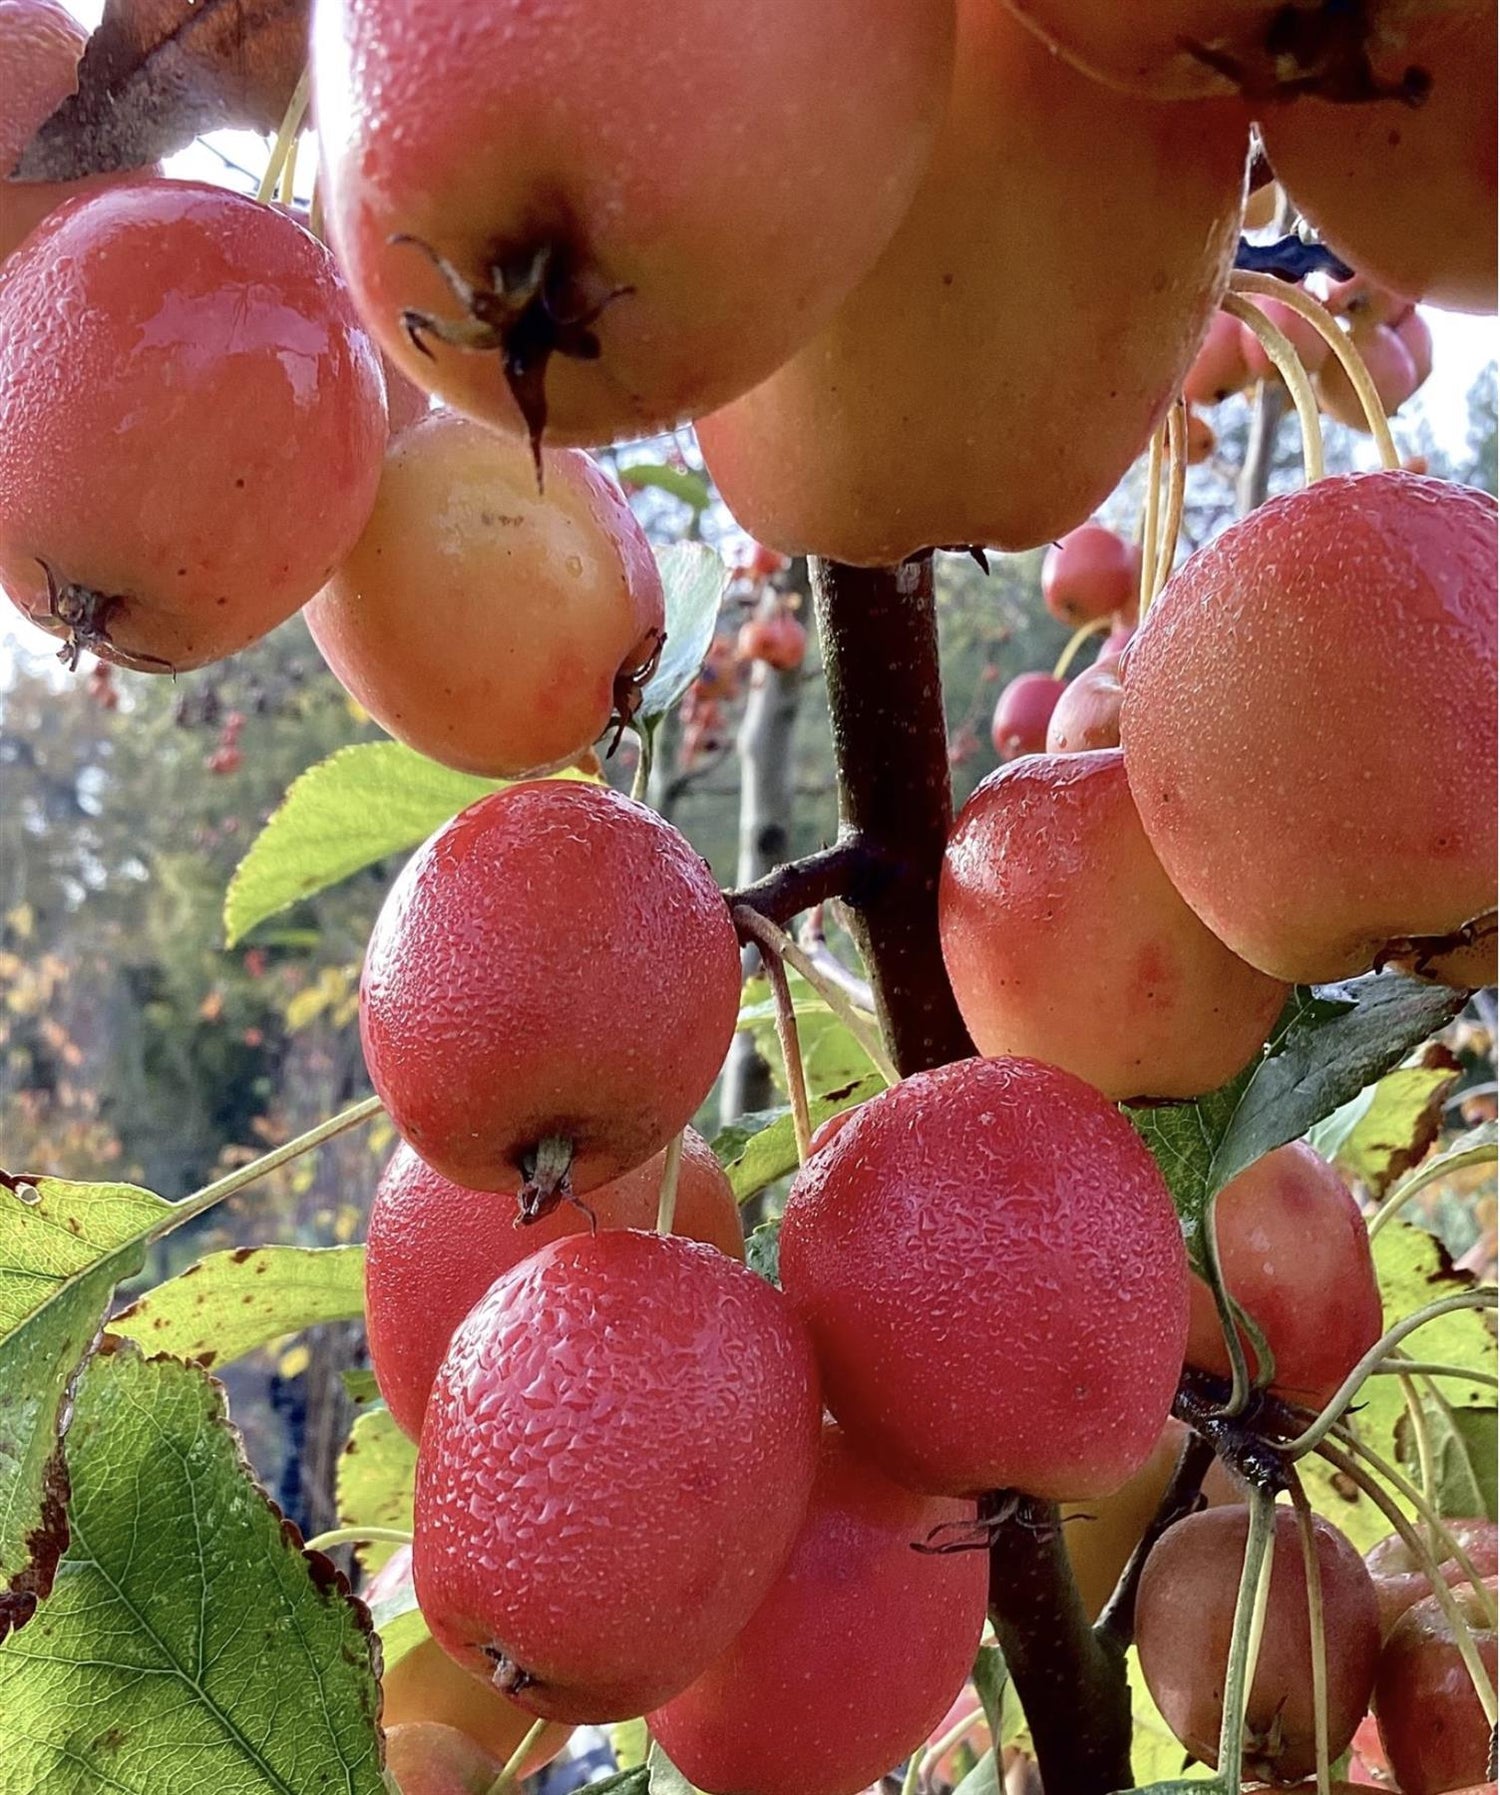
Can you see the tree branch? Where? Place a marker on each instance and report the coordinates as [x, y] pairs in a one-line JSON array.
[[848, 866], [878, 629]]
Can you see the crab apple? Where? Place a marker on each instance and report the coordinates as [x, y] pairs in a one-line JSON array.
[[1295, 1255], [1362, 301], [1089, 574], [208, 343], [1101, 1536], [1201, 438], [434, 1248], [404, 403], [1087, 715], [632, 1415], [40, 43], [1390, 366], [531, 241], [1219, 368], [1337, 641], [941, 403], [1433, 1729], [1311, 346], [1184, 1619], [1065, 941], [779, 640], [1405, 192], [427, 1758], [1400, 1579], [854, 1655], [494, 1030], [1416, 334], [1023, 713], [995, 1281], [492, 626], [1185, 49]]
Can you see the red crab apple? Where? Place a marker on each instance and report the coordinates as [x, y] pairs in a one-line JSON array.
[[509, 1051], [1090, 573], [994, 1278], [544, 236], [1400, 1580], [212, 344], [1219, 368], [434, 1249], [1433, 1729], [634, 1415], [854, 1655], [1277, 678], [1184, 1617], [427, 1758], [1295, 1254], [1311, 346], [1390, 366], [1065, 941], [1023, 713], [1087, 715]]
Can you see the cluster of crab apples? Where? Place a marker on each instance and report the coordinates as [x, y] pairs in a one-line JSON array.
[[944, 301]]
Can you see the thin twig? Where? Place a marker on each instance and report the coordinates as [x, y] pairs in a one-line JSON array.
[[772, 944], [1180, 1498]]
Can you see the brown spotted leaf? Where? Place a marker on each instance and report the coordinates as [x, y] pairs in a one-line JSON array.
[[63, 1248], [231, 1303], [156, 73]]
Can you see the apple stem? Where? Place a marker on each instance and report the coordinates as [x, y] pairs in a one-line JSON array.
[[1349, 1389], [1350, 359], [1316, 1635], [773, 944], [357, 1536], [666, 1203], [1171, 527], [1422, 1434], [1075, 642], [509, 1778], [1287, 363], [1235, 1323], [1462, 1635], [1150, 514], [285, 144], [1249, 1622]]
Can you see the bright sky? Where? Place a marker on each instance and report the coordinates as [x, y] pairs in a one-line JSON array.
[[1461, 345]]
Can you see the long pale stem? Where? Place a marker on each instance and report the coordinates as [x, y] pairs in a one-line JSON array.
[[357, 1536], [776, 941], [1075, 642], [1150, 519], [1176, 494], [1462, 1635], [1349, 1389], [1284, 359], [765, 934], [509, 1778], [1349, 358], [286, 137], [1316, 1638], [666, 1202], [1249, 1622]]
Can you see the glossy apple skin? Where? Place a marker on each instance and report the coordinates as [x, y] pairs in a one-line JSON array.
[[481, 621], [1089, 574], [942, 403], [853, 1657], [191, 418], [1338, 640], [1023, 714], [631, 1414], [521, 125], [1087, 714], [1101, 1535], [1185, 1616], [1219, 368], [995, 1281], [1406, 194], [489, 1017], [434, 1248], [1295, 1253], [428, 1758], [1400, 1581], [1065, 941], [1432, 1727]]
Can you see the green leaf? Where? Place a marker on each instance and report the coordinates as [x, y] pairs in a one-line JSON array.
[[188, 1644], [694, 579], [1463, 1447], [630, 1742], [990, 1677], [63, 1249], [629, 1782], [762, 1147], [1155, 1750], [1389, 1126], [231, 1303], [983, 1779], [361, 805], [663, 1776], [763, 1251], [359, 1384], [831, 1056], [1477, 1147], [1328, 1045], [681, 483], [374, 1481]]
